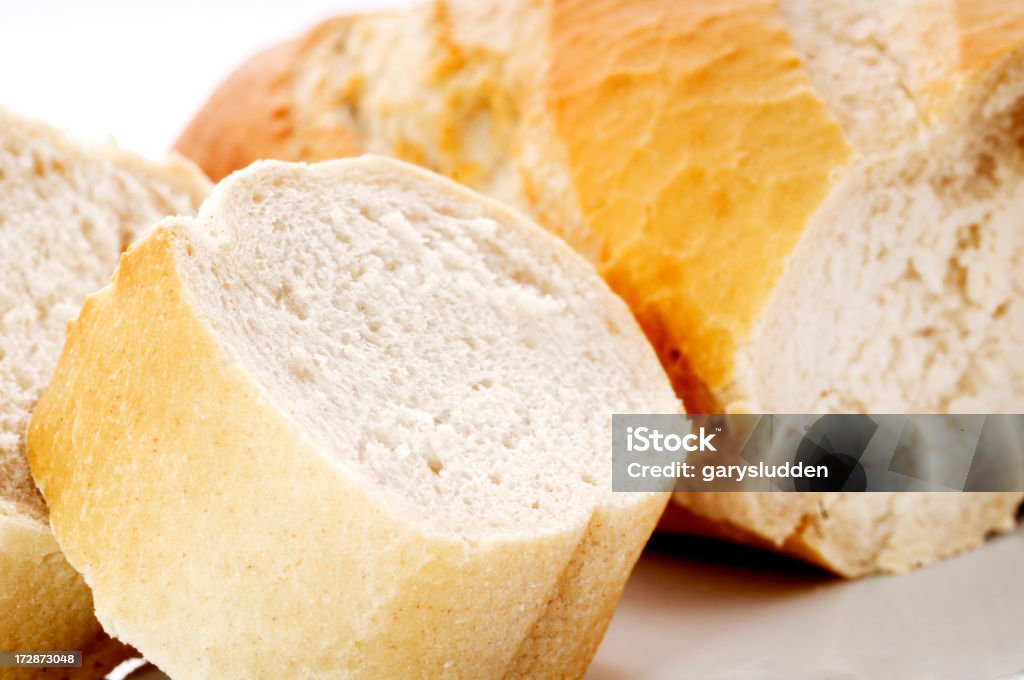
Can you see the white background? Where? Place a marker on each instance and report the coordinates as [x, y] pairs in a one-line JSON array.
[[138, 70]]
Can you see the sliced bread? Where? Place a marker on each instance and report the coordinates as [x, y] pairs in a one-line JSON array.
[[351, 421]]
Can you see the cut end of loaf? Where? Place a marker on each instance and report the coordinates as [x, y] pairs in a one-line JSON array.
[[918, 263], [430, 341]]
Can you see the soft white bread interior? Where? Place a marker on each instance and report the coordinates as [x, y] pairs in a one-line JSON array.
[[351, 421], [810, 206], [66, 213]]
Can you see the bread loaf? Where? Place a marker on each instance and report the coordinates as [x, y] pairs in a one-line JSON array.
[[351, 421], [810, 206], [66, 212]]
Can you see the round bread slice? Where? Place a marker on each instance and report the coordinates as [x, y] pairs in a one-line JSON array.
[[352, 421]]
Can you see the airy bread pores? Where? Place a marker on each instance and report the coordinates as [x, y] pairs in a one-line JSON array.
[[67, 210], [810, 206], [351, 421]]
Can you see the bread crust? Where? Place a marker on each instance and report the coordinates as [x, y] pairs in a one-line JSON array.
[[416, 604], [254, 115], [46, 604], [248, 117], [708, 60]]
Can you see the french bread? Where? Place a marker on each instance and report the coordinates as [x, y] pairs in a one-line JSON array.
[[350, 421], [66, 212], [810, 206]]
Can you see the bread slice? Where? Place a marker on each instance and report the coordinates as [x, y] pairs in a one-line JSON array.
[[810, 206], [66, 212], [351, 421]]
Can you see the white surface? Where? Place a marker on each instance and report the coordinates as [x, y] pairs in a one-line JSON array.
[[703, 611], [138, 70]]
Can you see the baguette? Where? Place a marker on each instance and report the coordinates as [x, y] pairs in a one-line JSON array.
[[66, 212], [351, 421], [810, 206]]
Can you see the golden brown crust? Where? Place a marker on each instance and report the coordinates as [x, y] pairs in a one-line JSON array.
[[247, 118], [696, 86], [253, 114]]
